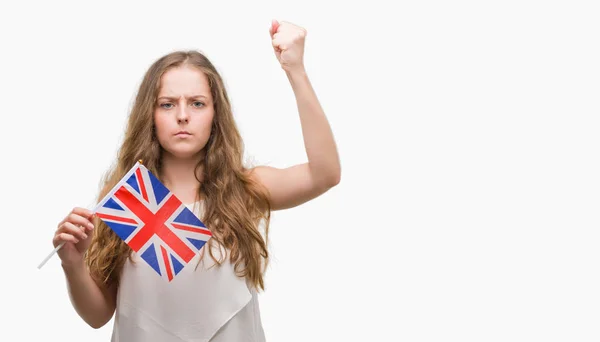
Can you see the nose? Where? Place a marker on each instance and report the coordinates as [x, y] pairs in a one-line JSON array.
[[182, 114]]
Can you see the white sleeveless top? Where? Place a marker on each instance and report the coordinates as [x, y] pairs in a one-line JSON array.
[[200, 304]]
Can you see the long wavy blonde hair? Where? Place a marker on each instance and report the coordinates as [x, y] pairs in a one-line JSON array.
[[235, 206]]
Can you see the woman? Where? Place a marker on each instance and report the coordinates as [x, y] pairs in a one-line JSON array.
[[182, 127]]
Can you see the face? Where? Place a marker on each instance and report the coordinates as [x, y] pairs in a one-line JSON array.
[[184, 112]]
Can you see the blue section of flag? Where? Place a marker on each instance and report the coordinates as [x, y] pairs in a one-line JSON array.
[[197, 243], [112, 204], [150, 256], [160, 191], [177, 266], [122, 230], [186, 216], [134, 183]]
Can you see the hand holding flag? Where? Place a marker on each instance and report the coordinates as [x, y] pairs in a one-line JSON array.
[[151, 220], [75, 228]]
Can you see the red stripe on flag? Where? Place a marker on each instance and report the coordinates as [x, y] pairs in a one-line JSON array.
[[116, 218], [140, 210], [167, 265], [190, 229], [138, 173], [167, 235]]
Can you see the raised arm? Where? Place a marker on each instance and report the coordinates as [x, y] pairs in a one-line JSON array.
[[289, 187]]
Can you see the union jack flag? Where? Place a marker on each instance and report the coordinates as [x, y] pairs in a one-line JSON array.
[[153, 222]]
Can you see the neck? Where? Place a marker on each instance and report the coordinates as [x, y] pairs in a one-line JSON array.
[[178, 175]]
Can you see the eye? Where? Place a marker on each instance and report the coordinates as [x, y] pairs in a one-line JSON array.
[[198, 104], [166, 104]]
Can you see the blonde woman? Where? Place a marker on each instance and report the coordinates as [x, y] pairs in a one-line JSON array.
[[183, 129]]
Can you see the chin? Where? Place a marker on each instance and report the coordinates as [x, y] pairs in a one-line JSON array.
[[184, 153]]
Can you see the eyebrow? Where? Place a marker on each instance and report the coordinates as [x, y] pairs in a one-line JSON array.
[[175, 97]]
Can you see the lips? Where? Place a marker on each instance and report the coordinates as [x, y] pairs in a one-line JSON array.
[[183, 133]]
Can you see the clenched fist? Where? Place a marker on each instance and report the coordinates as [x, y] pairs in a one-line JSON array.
[[288, 43]]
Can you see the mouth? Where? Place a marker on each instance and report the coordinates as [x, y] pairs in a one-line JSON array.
[[182, 133]]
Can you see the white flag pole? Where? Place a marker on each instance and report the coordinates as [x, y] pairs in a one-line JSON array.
[[51, 254], [101, 203]]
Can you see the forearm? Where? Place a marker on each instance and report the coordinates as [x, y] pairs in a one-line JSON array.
[[321, 150], [88, 299]]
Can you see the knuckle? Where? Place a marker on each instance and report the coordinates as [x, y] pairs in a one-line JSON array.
[[60, 228]]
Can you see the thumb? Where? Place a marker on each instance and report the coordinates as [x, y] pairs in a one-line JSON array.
[[274, 27]]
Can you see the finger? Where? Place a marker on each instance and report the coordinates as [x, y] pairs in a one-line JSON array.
[[63, 237], [79, 220], [277, 43], [274, 27], [83, 212], [72, 229]]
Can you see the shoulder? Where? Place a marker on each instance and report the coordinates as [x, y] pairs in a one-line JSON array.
[[260, 172], [263, 175]]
